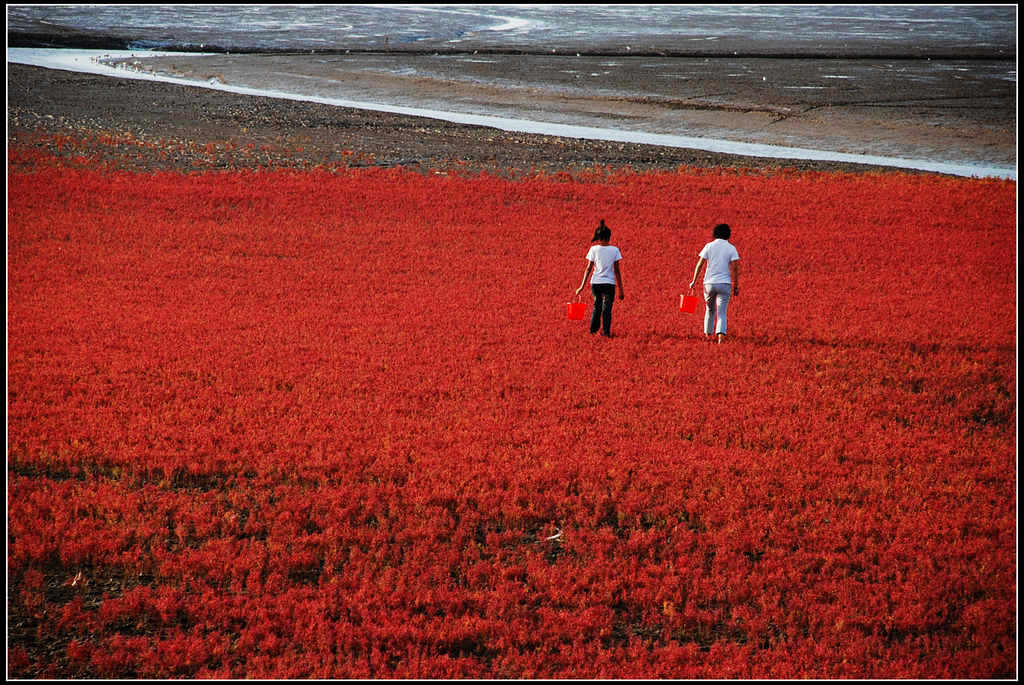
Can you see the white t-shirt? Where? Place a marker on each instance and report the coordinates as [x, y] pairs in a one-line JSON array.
[[603, 258], [719, 253]]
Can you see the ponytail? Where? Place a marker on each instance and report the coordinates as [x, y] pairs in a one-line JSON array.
[[601, 233]]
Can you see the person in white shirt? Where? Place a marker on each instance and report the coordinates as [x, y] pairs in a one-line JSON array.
[[721, 277], [603, 262]]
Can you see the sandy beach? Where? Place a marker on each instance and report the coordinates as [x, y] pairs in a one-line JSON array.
[[261, 131]]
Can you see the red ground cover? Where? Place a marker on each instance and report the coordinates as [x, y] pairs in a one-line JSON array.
[[279, 424]]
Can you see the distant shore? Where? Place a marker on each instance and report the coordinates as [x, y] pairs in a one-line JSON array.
[[295, 133]]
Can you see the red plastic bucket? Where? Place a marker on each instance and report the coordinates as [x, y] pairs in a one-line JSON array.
[[687, 304], [577, 310]]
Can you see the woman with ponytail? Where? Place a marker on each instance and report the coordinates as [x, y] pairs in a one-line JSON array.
[[603, 262]]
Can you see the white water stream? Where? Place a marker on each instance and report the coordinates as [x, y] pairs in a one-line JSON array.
[[91, 61]]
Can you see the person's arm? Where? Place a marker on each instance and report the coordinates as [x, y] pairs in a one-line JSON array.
[[586, 275], [734, 266], [618, 280], [696, 272]]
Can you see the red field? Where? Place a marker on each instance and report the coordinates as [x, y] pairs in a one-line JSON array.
[[284, 424]]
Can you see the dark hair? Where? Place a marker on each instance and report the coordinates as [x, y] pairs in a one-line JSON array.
[[601, 233], [722, 231]]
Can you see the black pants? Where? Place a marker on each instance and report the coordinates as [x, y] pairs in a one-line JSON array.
[[604, 297]]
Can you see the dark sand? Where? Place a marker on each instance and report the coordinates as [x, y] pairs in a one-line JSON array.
[[160, 126]]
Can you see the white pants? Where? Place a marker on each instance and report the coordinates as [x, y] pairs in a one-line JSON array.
[[716, 297]]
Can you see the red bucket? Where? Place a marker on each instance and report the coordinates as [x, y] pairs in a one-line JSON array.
[[577, 310], [687, 304]]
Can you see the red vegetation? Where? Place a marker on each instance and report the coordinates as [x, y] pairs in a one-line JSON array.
[[285, 424]]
